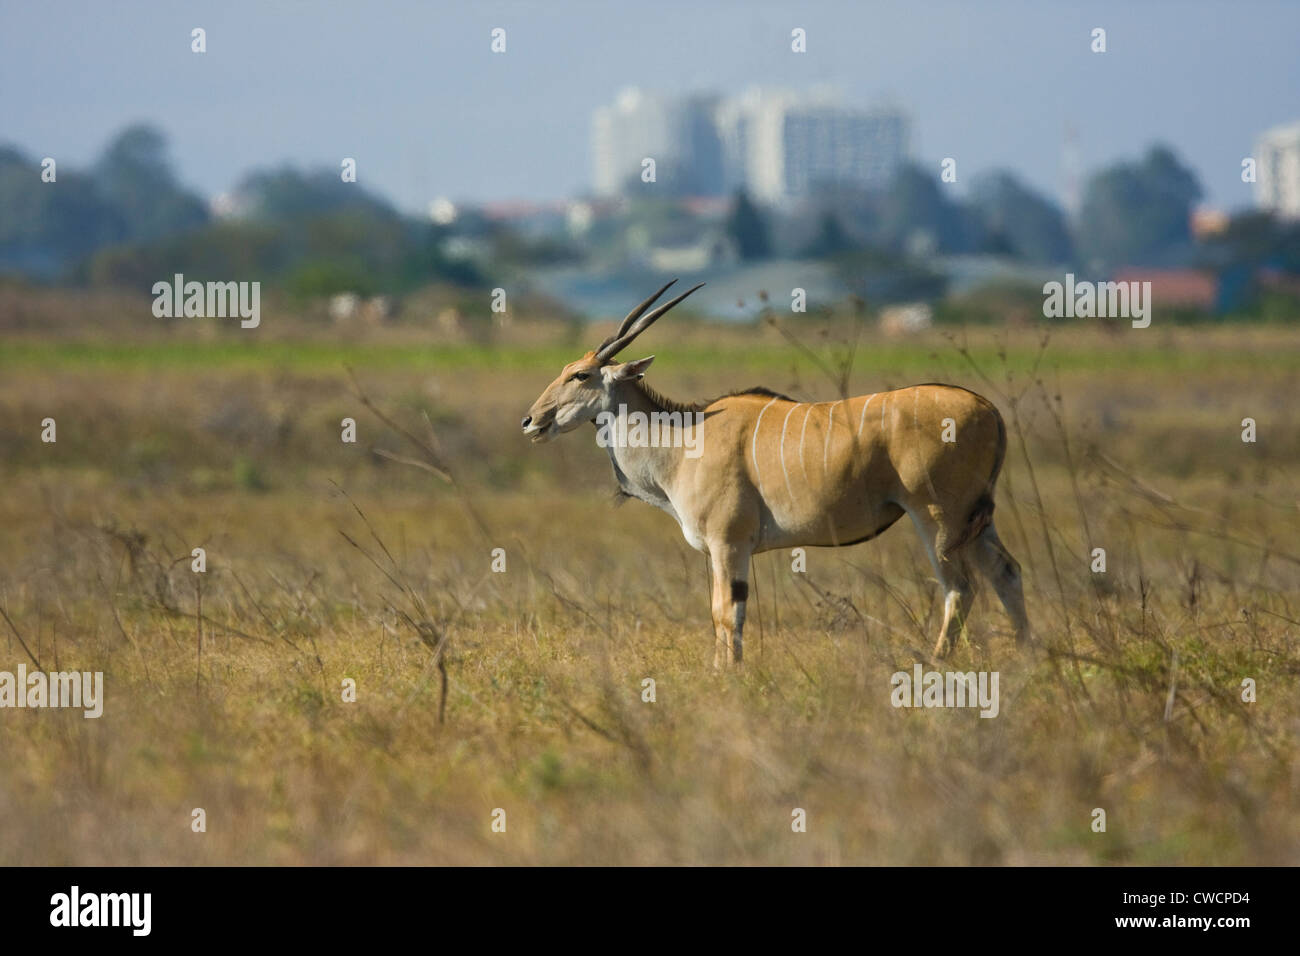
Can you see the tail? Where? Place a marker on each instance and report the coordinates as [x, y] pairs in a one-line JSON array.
[[981, 513]]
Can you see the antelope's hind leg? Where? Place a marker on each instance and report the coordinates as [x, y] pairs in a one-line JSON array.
[[957, 599], [995, 562], [952, 573]]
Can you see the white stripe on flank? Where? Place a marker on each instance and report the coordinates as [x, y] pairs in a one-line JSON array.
[[883, 402], [830, 424], [916, 422], [862, 421], [783, 469], [804, 431], [754, 442]]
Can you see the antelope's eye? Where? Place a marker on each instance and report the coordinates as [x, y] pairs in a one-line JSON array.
[[580, 376]]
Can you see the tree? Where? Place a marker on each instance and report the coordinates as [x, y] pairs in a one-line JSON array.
[[1022, 221], [831, 239], [1137, 213], [915, 214], [290, 195], [135, 175], [47, 227], [746, 226], [1257, 239]]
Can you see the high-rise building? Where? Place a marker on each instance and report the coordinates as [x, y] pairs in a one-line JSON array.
[[777, 144], [1277, 172], [796, 145], [679, 133]]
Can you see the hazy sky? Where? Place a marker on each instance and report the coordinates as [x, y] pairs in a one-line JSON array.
[[412, 91]]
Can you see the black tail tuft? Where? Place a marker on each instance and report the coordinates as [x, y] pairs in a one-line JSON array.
[[981, 514]]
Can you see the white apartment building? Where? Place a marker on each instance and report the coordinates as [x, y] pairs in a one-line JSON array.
[[1277, 172], [679, 133], [778, 144], [792, 144]]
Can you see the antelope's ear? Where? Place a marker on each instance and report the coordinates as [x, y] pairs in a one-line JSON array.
[[628, 370]]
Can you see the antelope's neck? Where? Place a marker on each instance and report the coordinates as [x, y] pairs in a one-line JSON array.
[[646, 442]]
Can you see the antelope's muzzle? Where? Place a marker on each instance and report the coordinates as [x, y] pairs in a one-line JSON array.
[[539, 428]]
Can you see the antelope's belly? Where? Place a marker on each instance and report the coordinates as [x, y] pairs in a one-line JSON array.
[[848, 520]]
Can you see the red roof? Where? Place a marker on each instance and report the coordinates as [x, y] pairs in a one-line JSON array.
[[1175, 287]]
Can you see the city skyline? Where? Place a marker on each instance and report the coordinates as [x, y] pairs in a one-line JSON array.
[[416, 96]]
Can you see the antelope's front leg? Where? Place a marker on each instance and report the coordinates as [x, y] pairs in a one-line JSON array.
[[730, 593]]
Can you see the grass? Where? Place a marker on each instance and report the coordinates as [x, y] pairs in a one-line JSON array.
[[327, 562], [1232, 347]]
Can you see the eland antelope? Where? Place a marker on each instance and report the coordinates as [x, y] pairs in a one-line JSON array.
[[768, 472]]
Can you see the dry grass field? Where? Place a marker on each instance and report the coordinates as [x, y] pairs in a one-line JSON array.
[[327, 561]]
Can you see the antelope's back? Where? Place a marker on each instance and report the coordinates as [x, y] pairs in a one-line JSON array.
[[839, 470]]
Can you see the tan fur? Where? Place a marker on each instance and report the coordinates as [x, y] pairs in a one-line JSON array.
[[774, 473]]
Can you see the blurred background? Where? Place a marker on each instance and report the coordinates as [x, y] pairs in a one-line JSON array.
[[526, 168]]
